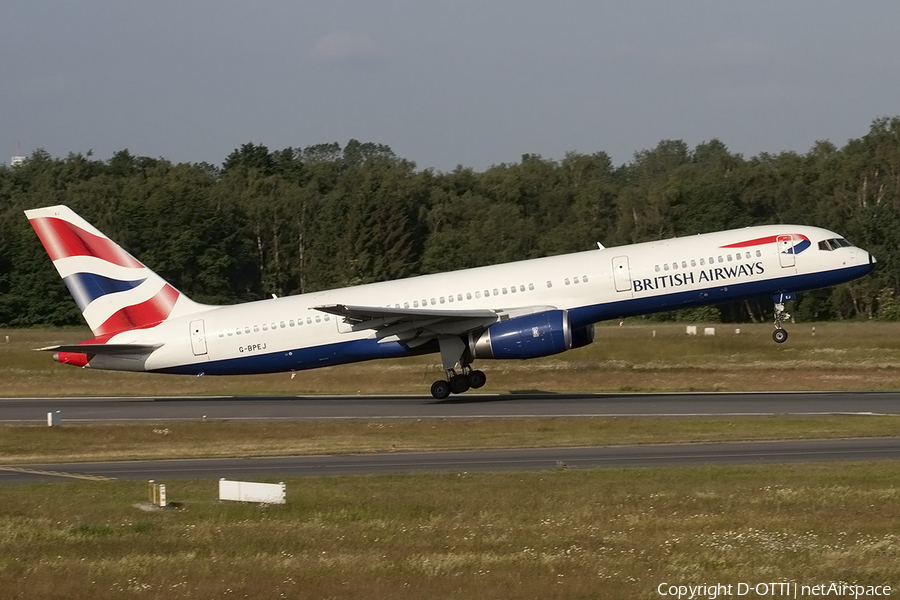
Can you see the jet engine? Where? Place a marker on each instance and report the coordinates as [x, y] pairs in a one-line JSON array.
[[530, 336]]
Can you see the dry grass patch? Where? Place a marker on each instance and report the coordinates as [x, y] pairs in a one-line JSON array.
[[100, 442]]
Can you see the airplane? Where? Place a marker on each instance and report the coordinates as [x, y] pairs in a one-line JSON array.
[[518, 310]]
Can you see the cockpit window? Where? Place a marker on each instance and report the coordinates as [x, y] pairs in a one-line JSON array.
[[834, 244]]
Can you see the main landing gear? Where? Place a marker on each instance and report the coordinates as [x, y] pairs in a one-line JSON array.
[[780, 335], [455, 355], [458, 383]]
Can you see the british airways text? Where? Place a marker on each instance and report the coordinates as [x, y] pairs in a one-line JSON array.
[[715, 274]]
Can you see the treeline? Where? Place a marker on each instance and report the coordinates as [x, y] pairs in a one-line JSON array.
[[298, 220]]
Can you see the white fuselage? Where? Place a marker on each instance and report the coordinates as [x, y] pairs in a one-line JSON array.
[[290, 333]]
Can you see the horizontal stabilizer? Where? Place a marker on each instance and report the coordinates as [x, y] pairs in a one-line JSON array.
[[107, 349]]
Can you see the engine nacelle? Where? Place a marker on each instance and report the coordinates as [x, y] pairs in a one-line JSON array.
[[530, 336]]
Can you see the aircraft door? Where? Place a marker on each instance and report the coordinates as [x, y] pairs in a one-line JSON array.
[[198, 337], [786, 254], [621, 274]]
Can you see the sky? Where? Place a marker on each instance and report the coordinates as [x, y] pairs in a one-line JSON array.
[[471, 83]]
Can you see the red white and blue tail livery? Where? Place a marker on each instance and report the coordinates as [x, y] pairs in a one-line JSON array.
[[517, 310]]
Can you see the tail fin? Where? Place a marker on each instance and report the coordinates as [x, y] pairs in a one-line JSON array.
[[114, 291]]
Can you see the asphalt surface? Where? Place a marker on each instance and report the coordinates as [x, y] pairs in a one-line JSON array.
[[34, 410]]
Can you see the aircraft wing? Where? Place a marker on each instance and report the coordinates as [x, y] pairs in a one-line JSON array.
[[107, 349], [411, 326]]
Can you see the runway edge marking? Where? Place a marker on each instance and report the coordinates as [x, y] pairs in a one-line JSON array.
[[85, 476]]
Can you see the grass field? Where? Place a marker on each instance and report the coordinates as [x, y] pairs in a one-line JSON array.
[[131, 441], [604, 533], [633, 357]]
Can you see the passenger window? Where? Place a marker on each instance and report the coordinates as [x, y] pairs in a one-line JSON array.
[[416, 304], [504, 291], [283, 325], [549, 284], [221, 334], [327, 317], [469, 295], [684, 264], [512, 289], [758, 253], [442, 299], [318, 319], [721, 260], [522, 288], [309, 320], [693, 262], [459, 297], [291, 323], [567, 281], [729, 258], [246, 330], [433, 301], [238, 331], [230, 333], [265, 327], [531, 286], [666, 267], [496, 293], [675, 266], [702, 262], [656, 268], [450, 298], [478, 294], [256, 329], [575, 280]]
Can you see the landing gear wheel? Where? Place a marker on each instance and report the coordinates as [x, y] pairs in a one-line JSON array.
[[780, 336], [440, 389], [477, 379], [459, 384]]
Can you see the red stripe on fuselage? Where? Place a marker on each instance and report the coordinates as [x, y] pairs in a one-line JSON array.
[[140, 316], [62, 239], [764, 240]]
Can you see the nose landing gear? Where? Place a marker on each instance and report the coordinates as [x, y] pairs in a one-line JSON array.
[[780, 335]]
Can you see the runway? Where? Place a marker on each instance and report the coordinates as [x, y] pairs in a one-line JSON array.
[[465, 406], [768, 452]]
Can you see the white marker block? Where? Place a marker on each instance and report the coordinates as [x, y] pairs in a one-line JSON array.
[[709, 331]]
